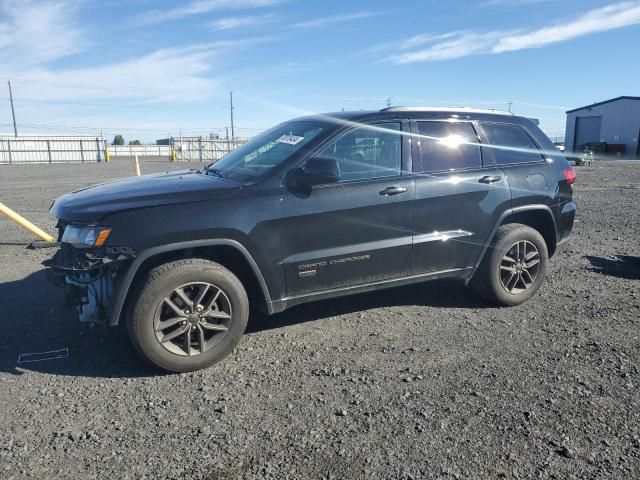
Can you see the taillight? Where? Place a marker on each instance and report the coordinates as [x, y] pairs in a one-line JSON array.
[[569, 175]]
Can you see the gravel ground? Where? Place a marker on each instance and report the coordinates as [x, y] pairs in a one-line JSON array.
[[426, 381]]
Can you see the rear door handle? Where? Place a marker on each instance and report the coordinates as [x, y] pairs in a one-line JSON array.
[[392, 191], [490, 179]]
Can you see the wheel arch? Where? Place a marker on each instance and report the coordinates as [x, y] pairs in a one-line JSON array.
[[538, 217], [229, 253]]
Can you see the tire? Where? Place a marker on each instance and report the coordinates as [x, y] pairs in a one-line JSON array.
[[219, 320], [493, 280]]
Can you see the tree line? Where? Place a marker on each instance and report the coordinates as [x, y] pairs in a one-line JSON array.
[[119, 140]]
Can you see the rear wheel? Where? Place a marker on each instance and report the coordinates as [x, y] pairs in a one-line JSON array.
[[514, 267], [188, 315]]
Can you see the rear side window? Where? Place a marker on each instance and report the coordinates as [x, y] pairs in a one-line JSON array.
[[448, 146], [511, 144]]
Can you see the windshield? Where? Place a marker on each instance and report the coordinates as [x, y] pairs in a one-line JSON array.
[[266, 151]]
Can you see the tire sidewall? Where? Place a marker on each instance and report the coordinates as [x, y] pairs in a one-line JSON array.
[[151, 296]]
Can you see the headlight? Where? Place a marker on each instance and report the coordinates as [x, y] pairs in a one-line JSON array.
[[85, 236]]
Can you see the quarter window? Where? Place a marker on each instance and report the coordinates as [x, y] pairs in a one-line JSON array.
[[511, 144], [448, 146], [371, 151]]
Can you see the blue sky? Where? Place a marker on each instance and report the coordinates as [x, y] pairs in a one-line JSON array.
[[151, 68]]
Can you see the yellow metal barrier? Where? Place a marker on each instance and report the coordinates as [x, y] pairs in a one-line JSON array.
[[137, 165], [24, 223]]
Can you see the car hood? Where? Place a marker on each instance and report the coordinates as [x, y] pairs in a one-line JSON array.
[[89, 204]]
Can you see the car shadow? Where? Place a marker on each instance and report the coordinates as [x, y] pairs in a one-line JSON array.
[[438, 293], [620, 266], [34, 320]]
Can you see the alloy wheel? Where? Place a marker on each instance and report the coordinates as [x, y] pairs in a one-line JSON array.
[[519, 267], [192, 318]]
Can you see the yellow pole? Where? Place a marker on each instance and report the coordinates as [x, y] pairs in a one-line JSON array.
[[173, 154], [107, 155], [24, 223], [137, 166]]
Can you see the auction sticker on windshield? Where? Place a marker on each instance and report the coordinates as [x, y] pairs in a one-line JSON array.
[[290, 139]]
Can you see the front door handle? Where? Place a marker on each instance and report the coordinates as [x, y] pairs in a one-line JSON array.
[[490, 179], [392, 191]]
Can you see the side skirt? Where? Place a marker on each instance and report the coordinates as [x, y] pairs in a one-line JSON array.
[[282, 304]]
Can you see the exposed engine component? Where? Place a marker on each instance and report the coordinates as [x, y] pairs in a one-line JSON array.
[[87, 275], [93, 296]]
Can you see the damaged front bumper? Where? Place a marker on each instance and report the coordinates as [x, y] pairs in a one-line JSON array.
[[89, 276]]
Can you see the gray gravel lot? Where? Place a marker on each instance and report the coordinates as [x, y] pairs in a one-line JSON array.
[[426, 381]]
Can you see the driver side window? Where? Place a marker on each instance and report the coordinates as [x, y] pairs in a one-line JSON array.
[[371, 151]]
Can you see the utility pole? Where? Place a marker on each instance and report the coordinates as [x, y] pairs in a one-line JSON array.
[[13, 112], [233, 136], [227, 130], [510, 103]]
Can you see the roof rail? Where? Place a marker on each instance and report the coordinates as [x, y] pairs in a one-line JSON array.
[[446, 109]]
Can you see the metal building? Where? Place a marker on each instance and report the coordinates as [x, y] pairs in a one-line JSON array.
[[611, 127]]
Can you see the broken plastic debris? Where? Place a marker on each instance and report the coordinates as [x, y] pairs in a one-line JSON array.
[[41, 356]]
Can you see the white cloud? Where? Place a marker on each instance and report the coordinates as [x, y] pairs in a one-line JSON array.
[[323, 21], [164, 74], [598, 20], [423, 39], [461, 44], [142, 93], [229, 23], [173, 74], [35, 32], [197, 7]]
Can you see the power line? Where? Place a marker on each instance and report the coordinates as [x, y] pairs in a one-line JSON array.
[[79, 86], [108, 105], [120, 88], [198, 131]]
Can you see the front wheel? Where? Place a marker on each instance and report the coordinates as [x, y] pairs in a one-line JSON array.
[[188, 314], [514, 267]]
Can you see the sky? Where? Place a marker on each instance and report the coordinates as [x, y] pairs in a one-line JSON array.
[[148, 69]]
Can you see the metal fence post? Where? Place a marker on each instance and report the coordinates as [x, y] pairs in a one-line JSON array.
[[81, 152], [200, 146], [49, 149], [9, 151], [98, 147]]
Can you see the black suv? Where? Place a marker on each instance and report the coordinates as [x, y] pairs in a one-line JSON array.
[[315, 208]]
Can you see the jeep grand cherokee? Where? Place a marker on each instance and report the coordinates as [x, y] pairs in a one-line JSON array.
[[315, 208]]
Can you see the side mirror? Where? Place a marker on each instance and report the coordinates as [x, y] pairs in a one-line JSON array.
[[318, 171]]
